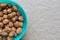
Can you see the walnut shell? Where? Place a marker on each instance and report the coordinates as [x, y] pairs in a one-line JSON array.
[[13, 29], [5, 16], [5, 21], [3, 5], [10, 24], [20, 24], [7, 29], [9, 10], [11, 34], [5, 11], [16, 24], [13, 13], [10, 15], [4, 34], [20, 18], [14, 18], [19, 30], [15, 8]]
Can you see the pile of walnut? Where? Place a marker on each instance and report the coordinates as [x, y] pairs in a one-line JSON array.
[[11, 21]]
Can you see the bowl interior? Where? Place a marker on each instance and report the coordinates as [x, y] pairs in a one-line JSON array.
[[23, 14]]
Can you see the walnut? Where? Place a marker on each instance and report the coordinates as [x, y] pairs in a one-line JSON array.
[[5, 21], [3, 5], [19, 30]]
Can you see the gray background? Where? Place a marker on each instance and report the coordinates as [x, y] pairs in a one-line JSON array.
[[44, 19]]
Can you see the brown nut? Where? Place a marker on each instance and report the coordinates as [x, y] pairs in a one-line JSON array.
[[6, 30], [9, 38], [20, 18], [1, 25], [9, 5], [5, 16], [5, 21], [3, 5], [11, 34], [10, 15], [4, 34], [15, 8], [5, 11], [1, 14], [13, 13], [10, 24], [1, 19], [18, 13], [13, 29], [20, 24], [16, 24], [19, 30], [9, 10], [14, 19]]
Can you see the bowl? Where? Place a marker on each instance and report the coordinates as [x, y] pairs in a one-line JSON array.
[[24, 28]]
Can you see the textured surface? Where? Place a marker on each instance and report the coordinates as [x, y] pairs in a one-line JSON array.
[[44, 19]]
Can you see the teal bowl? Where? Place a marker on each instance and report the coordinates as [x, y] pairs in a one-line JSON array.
[[18, 37]]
